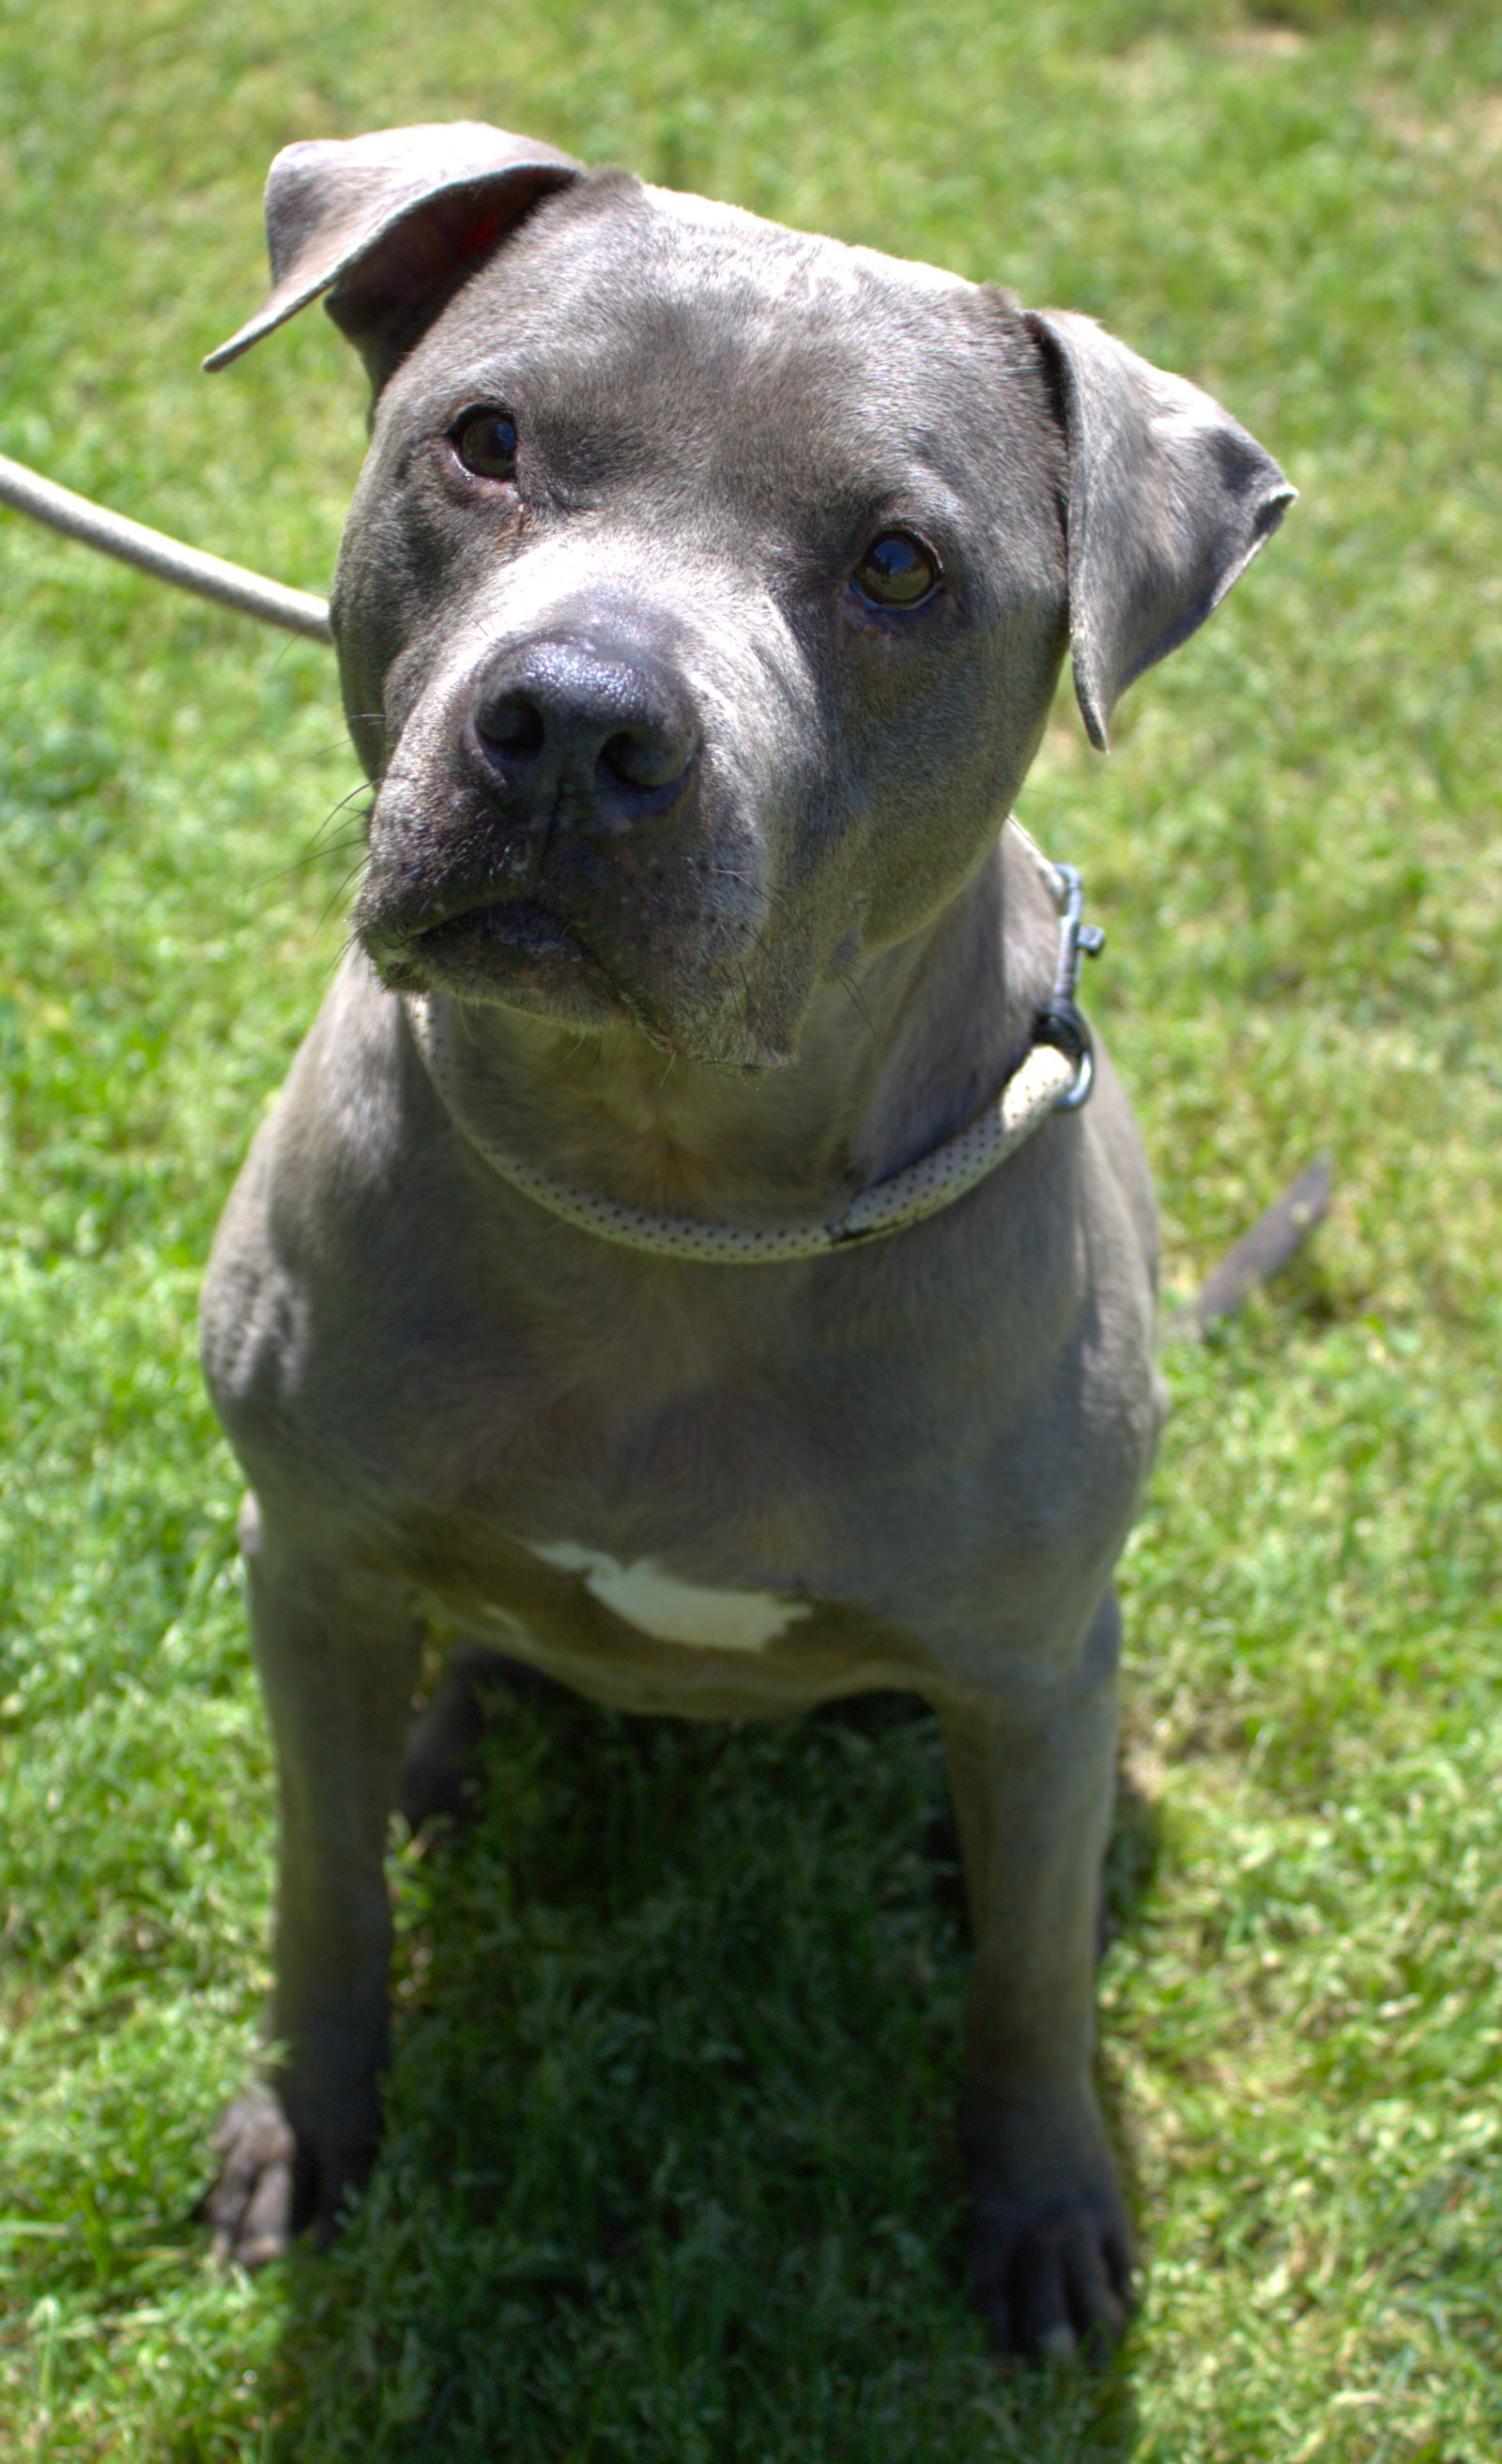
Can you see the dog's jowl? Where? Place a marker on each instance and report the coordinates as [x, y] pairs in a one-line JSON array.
[[681, 1258]]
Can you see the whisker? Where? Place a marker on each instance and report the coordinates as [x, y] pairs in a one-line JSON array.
[[362, 788], [315, 854], [855, 994], [335, 896]]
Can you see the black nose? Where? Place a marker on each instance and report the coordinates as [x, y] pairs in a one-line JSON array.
[[597, 728]]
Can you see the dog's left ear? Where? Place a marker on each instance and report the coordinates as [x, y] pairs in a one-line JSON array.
[[389, 225], [1169, 502]]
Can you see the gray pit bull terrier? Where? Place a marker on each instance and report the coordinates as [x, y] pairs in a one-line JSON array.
[[698, 615]]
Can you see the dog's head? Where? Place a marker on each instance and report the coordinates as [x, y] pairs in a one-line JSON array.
[[706, 584]]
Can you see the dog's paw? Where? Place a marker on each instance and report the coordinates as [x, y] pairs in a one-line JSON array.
[[1051, 2277], [248, 2207], [276, 2181]]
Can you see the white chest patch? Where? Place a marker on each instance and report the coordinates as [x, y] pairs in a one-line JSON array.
[[671, 1611]]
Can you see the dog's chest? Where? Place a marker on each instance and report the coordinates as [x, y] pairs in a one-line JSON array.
[[658, 1471], [629, 1505], [694, 1475]]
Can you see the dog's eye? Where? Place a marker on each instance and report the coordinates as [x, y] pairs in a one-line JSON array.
[[485, 441], [897, 571]]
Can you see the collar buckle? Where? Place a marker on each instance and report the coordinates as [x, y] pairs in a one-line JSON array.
[[1061, 1022]]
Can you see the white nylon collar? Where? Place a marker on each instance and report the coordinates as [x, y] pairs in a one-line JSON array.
[[1053, 1075]]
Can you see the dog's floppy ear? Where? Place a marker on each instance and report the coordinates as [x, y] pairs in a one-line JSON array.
[[1168, 502], [389, 224]]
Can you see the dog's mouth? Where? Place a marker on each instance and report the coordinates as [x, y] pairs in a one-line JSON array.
[[514, 951]]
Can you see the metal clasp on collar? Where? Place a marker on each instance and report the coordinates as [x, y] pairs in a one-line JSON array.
[[1061, 1022]]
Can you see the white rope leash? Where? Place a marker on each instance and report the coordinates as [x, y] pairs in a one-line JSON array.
[[1051, 1077], [210, 576]]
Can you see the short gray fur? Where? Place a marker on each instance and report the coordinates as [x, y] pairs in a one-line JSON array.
[[703, 849]]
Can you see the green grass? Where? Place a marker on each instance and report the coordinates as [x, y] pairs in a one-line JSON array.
[[667, 2174]]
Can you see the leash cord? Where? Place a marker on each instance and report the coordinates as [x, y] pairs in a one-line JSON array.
[[210, 576]]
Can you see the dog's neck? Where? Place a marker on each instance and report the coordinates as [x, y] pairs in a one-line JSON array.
[[892, 1060]]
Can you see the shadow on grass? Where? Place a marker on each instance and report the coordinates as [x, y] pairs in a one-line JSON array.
[[668, 2170]]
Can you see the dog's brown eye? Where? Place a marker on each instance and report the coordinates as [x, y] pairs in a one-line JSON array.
[[897, 571], [485, 441]]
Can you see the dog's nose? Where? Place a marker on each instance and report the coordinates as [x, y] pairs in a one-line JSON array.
[[600, 729]]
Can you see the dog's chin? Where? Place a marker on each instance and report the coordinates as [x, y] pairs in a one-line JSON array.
[[514, 955]]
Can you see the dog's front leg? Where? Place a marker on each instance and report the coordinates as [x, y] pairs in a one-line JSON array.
[[1033, 1780], [338, 1660]]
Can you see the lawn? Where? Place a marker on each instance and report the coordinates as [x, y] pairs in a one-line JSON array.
[[667, 2174]]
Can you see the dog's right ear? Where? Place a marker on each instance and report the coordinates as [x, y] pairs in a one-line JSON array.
[[389, 225]]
